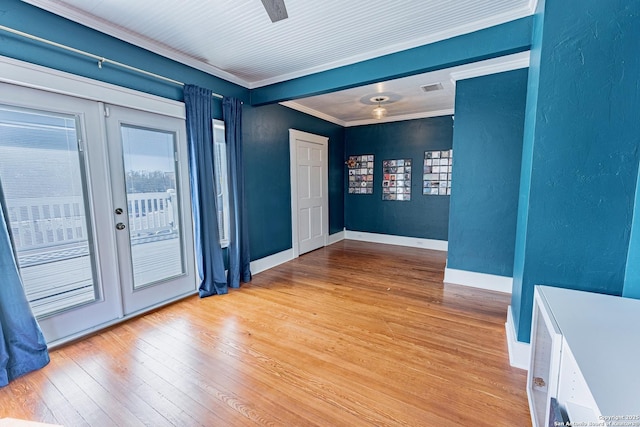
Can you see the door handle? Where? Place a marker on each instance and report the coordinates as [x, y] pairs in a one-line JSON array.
[[120, 226]]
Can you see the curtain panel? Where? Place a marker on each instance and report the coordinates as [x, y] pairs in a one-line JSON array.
[[239, 257], [23, 348], [209, 256]]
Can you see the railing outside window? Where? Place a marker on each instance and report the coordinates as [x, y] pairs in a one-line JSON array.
[[51, 228]]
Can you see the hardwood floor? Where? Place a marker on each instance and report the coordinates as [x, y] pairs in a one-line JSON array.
[[355, 334]]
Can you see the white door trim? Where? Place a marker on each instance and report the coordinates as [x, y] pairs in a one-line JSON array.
[[294, 135], [34, 76]]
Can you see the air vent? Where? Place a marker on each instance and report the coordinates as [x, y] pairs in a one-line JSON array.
[[432, 87]]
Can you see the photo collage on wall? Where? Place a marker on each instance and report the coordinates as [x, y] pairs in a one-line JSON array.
[[360, 174], [437, 172], [396, 180]]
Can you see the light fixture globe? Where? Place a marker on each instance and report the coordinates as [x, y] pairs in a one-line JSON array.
[[379, 112]]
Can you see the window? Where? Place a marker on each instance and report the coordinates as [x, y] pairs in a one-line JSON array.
[[222, 186], [42, 171]]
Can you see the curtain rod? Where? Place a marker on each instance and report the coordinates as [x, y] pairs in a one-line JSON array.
[[101, 60]]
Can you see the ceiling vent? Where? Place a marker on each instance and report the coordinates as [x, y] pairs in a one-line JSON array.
[[432, 87]]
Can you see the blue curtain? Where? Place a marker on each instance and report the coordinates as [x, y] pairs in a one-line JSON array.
[[239, 258], [210, 261], [22, 346]]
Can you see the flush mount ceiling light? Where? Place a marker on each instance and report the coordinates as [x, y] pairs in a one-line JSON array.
[[379, 112]]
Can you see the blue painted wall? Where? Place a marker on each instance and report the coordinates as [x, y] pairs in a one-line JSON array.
[[580, 157], [522, 296], [632, 274], [423, 216], [487, 146], [267, 175]]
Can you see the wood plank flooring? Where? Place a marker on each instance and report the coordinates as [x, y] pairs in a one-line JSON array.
[[355, 334]]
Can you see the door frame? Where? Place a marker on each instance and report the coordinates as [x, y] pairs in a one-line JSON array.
[[20, 73], [294, 135]]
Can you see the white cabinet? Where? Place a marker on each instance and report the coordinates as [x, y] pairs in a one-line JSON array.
[[546, 350], [585, 353]]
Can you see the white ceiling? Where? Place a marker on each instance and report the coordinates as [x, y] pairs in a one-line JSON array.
[[407, 100], [235, 40]]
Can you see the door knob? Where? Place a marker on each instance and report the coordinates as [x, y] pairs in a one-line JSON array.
[[119, 211], [120, 226]]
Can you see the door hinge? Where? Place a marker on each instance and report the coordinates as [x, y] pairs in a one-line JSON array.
[[106, 111], [80, 145]]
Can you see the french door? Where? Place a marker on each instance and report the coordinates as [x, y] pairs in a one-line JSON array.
[[97, 205], [150, 193]]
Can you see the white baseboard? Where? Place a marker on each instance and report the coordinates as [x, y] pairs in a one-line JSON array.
[[478, 280], [271, 261], [414, 242], [519, 352], [335, 238], [274, 260]]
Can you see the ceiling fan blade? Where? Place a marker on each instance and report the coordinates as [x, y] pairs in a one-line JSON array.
[[276, 9]]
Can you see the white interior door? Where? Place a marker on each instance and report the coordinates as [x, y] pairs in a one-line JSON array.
[[309, 187]]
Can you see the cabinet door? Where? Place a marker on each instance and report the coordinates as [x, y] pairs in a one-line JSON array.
[[574, 392], [546, 349]]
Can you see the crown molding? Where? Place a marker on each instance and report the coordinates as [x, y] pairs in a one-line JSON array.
[[303, 109], [509, 63], [400, 118], [533, 4]]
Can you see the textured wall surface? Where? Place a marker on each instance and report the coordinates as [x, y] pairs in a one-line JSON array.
[[580, 157], [487, 146], [632, 273], [424, 216]]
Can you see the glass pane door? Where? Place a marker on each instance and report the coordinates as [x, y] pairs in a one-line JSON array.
[[53, 172], [149, 170], [101, 221], [42, 175], [153, 206]]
